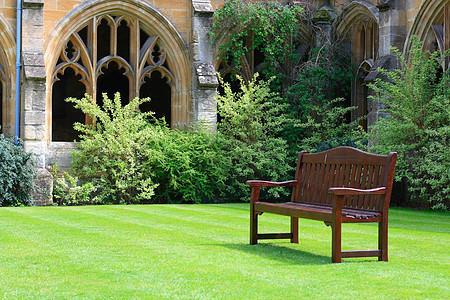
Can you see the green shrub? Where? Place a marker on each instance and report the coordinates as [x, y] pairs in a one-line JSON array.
[[417, 125], [251, 120], [111, 152], [17, 173], [327, 128], [67, 189], [187, 164], [315, 103]]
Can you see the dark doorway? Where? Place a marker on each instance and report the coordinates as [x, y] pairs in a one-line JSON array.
[[158, 90], [64, 114]]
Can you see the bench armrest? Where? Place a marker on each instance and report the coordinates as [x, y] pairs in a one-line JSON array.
[[262, 183], [341, 191]]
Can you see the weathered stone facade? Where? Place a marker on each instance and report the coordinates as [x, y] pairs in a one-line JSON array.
[[61, 40]]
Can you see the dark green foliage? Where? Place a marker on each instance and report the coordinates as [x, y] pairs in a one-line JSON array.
[[315, 104], [325, 76], [188, 165], [309, 74], [251, 120], [17, 173], [417, 103], [327, 128]]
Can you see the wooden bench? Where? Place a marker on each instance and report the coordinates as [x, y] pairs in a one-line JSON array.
[[341, 185]]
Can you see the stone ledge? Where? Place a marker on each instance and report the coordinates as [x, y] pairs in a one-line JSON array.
[[387, 62]]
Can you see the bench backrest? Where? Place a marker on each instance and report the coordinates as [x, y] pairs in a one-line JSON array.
[[344, 167]]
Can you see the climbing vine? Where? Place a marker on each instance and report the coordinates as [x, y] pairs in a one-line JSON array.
[[272, 27]]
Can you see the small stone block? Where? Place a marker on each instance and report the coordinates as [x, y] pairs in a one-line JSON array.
[[206, 75], [34, 65], [202, 8]]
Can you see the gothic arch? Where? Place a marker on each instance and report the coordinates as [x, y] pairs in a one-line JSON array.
[[7, 78], [353, 13], [431, 13], [174, 66], [358, 25]]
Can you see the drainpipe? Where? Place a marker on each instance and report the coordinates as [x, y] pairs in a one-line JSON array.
[[18, 66]]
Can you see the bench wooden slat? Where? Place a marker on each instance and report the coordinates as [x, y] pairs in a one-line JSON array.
[[326, 198], [294, 211], [288, 209]]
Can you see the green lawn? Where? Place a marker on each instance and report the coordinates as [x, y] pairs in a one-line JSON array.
[[202, 251]]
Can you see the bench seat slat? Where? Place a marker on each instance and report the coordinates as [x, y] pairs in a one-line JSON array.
[[316, 211], [320, 214]]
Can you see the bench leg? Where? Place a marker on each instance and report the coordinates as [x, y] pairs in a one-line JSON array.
[[383, 240], [294, 230], [336, 255], [254, 216], [253, 228]]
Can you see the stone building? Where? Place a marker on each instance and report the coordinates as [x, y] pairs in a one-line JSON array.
[[161, 49]]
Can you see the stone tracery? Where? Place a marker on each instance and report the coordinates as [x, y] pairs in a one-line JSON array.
[[109, 51]]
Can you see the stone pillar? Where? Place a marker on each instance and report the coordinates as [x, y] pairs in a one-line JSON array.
[[392, 26], [392, 32], [323, 18], [33, 106], [205, 82]]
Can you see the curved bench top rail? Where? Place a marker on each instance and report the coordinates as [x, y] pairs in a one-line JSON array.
[[345, 155]]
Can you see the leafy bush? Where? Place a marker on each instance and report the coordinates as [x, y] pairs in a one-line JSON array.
[[130, 157], [111, 151], [17, 173], [187, 164], [327, 128], [309, 74], [67, 189], [251, 120], [315, 103], [417, 103]]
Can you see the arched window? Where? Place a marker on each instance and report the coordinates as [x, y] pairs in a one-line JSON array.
[[109, 54]]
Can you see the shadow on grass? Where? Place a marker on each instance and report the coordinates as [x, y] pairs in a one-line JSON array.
[[280, 253]]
